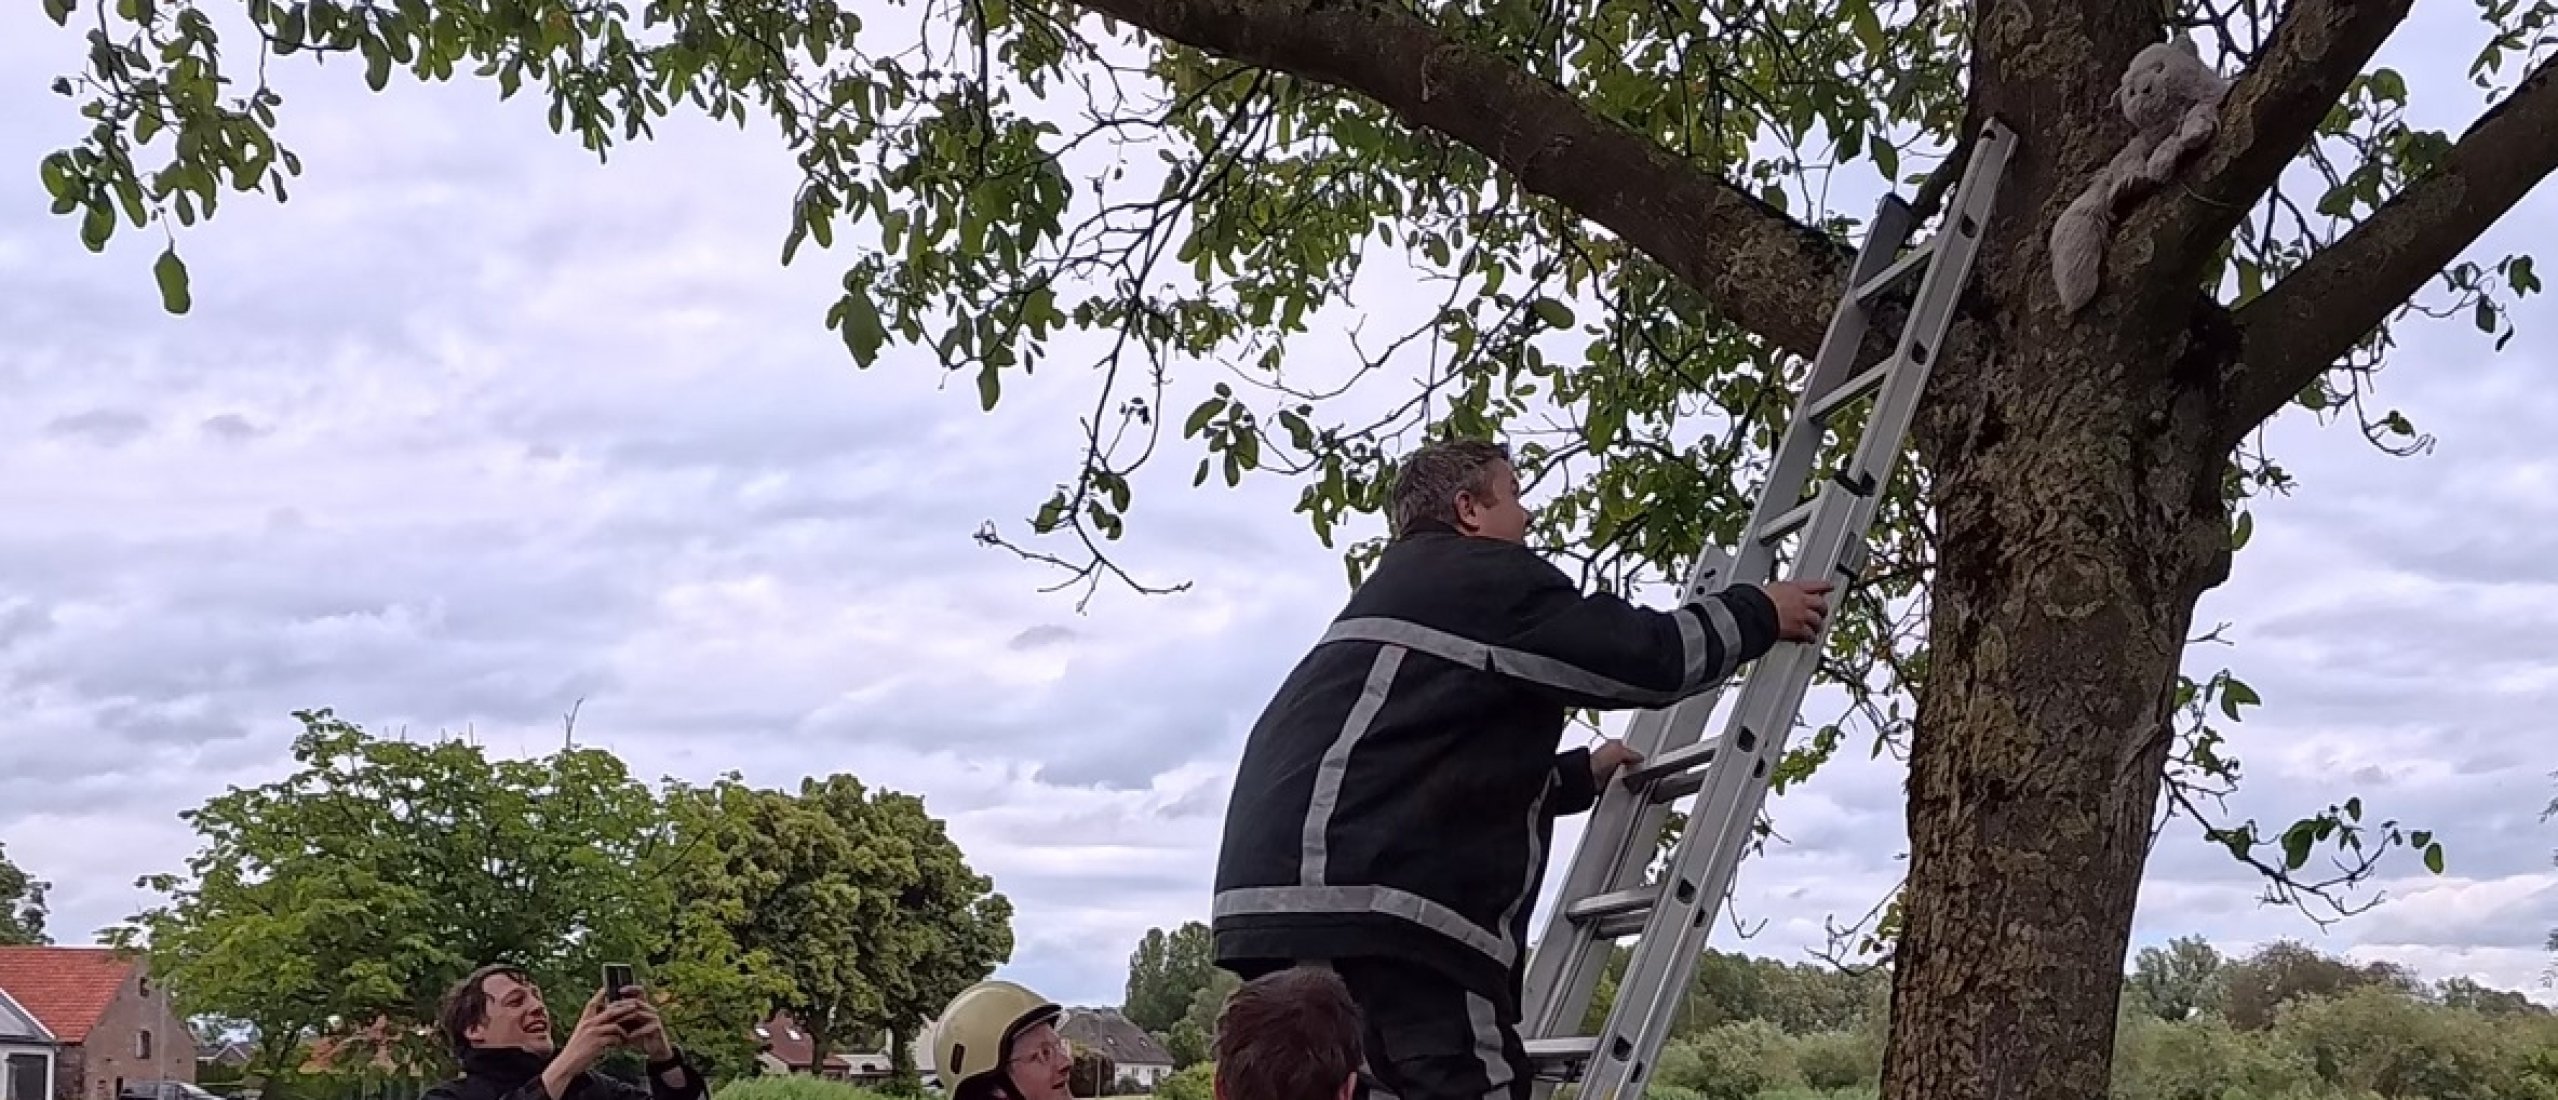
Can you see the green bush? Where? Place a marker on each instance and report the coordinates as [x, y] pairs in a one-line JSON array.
[[793, 1087], [1834, 1060], [1866, 1092], [1198, 1082], [2202, 1058], [1735, 1061], [2377, 1041]]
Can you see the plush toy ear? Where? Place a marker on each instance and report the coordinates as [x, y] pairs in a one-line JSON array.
[[2186, 43]]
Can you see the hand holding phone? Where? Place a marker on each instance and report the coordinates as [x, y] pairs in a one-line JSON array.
[[618, 983]]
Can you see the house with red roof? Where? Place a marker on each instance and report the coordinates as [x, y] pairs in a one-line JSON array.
[[110, 1023]]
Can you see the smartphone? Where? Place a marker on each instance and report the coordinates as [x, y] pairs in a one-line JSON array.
[[618, 981]]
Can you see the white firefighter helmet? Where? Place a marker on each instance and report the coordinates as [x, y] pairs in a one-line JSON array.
[[976, 1032]]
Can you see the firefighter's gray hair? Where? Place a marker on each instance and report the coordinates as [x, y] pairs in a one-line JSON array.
[[1426, 487]]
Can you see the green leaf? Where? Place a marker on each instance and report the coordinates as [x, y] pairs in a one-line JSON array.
[[97, 225], [171, 273], [2434, 858], [1553, 312], [2296, 844], [863, 332], [2236, 694], [2241, 530], [2485, 315], [989, 387], [2354, 808], [1199, 417], [2387, 84]]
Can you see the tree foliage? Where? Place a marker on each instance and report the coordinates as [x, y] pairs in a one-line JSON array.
[[858, 898], [1194, 1039], [2349, 1037], [342, 901], [2178, 980], [1165, 972], [2254, 991], [21, 905], [357, 889]]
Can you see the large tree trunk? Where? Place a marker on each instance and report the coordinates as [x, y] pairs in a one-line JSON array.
[[2078, 505]]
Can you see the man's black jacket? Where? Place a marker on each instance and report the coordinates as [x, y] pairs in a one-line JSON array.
[[1397, 796], [510, 1074]]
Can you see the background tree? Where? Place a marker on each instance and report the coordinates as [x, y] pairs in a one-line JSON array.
[[2180, 979], [1664, 166], [1193, 1040], [2255, 989], [860, 900], [21, 905], [1092, 1075], [353, 892], [955, 929], [1165, 972]]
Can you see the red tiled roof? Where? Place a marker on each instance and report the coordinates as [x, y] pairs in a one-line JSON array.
[[781, 1037], [67, 988]]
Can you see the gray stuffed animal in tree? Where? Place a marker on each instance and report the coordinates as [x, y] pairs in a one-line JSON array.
[[2173, 100]]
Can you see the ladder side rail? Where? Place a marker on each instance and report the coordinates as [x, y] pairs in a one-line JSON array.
[[1922, 341], [1617, 845]]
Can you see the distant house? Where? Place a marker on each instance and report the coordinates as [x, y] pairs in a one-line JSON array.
[[785, 1048], [1133, 1053], [110, 1023], [26, 1053], [231, 1055]]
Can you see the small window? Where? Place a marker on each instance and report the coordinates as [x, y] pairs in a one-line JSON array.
[[142, 1044]]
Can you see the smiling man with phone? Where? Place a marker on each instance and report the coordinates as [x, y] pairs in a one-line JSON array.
[[500, 1031]]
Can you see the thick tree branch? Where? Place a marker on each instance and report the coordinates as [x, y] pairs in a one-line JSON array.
[[2298, 328], [1763, 270], [2317, 49]]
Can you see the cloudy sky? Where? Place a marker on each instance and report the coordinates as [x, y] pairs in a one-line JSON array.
[[475, 428]]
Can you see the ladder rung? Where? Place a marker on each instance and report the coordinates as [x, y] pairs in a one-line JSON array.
[[1849, 391], [1619, 926], [1910, 261], [1607, 905], [1676, 787], [1788, 522], [1568, 1048], [1672, 762]]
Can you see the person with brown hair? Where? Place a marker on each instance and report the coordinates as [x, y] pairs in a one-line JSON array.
[[1391, 814], [1293, 1034], [498, 1029]]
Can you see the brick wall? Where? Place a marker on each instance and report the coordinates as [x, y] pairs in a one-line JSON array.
[[113, 1050]]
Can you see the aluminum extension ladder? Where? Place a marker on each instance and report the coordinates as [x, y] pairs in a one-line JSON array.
[[1605, 895]]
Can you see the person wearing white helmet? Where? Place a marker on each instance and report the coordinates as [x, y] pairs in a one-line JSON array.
[[999, 1041]]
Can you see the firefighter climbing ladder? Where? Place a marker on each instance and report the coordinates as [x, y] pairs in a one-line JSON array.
[[1604, 896]]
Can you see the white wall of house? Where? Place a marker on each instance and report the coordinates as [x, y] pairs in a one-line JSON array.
[[14, 1056], [1147, 1075]]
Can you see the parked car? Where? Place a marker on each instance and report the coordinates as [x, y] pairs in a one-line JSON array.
[[163, 1090]]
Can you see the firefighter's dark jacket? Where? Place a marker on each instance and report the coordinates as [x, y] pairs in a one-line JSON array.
[[501, 1073], [1397, 795]]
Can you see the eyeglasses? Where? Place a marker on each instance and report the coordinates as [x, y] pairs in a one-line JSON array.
[[1050, 1051]]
